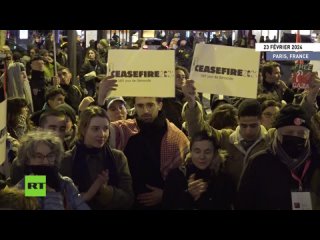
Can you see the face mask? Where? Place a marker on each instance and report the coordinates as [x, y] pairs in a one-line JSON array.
[[51, 173], [293, 145]]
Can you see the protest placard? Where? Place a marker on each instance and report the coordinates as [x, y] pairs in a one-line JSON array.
[[225, 70], [142, 73]]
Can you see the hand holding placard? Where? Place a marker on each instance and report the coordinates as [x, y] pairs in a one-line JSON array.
[[106, 85], [189, 91]]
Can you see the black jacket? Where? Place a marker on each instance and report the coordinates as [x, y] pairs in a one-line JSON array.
[[143, 153], [219, 195], [267, 183], [74, 95]]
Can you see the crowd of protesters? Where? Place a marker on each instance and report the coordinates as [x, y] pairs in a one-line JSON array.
[[100, 152]]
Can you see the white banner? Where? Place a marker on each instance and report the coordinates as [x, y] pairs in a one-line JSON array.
[[225, 70], [142, 73]]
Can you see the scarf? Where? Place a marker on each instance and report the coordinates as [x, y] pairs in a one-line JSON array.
[[80, 170], [292, 163], [205, 174], [174, 144], [157, 127]]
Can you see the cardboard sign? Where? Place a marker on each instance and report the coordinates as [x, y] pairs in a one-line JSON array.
[[225, 70], [302, 76], [142, 73]]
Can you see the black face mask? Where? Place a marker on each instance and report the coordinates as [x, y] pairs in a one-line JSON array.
[[51, 173], [293, 145]]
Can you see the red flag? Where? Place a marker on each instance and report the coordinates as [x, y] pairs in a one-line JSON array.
[[298, 40]]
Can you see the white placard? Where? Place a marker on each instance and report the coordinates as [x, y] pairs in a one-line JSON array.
[[91, 35], [142, 73], [225, 70]]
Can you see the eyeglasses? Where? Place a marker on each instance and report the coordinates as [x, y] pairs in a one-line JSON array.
[[40, 157]]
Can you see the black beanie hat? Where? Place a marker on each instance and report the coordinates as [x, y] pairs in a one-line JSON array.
[[292, 115]]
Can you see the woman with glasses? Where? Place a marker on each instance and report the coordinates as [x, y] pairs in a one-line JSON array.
[[270, 109], [172, 107], [40, 153]]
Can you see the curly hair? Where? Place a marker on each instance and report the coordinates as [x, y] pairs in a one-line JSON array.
[[29, 142]]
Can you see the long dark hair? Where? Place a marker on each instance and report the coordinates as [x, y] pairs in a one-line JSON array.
[[15, 106]]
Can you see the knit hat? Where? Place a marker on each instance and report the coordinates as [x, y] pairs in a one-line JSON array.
[[112, 100], [292, 115], [68, 110], [104, 43]]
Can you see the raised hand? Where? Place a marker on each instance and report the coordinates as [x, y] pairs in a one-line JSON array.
[[189, 91], [106, 85]]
